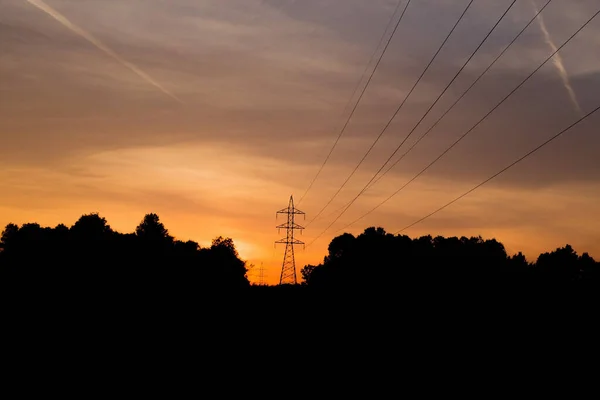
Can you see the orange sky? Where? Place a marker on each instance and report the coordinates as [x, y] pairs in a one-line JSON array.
[[212, 113]]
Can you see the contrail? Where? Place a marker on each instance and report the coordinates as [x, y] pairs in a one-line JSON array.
[[557, 60], [77, 30]]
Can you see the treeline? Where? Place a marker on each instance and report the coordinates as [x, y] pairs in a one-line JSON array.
[[378, 260], [90, 256]]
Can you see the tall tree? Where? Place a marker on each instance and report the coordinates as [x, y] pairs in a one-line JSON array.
[[152, 230], [91, 227]]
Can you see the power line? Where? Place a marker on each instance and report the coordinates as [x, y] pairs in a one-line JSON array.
[[500, 172], [389, 122], [357, 101], [461, 96], [393, 116], [436, 100], [479, 122], [376, 178], [362, 76]]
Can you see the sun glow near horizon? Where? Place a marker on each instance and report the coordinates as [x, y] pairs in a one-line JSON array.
[[88, 121]]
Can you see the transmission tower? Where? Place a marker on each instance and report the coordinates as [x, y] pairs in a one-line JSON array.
[[261, 275], [288, 268]]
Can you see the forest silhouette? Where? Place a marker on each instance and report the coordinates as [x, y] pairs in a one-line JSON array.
[[379, 259], [90, 258]]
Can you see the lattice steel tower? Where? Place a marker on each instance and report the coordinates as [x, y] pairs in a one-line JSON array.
[[261, 275], [288, 268]]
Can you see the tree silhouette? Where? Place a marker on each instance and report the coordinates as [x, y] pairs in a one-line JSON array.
[[226, 266], [9, 234], [90, 259], [91, 227], [376, 259], [224, 244], [340, 245], [559, 266], [152, 230], [306, 272], [519, 261]]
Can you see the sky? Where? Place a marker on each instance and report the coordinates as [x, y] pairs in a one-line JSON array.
[[212, 113]]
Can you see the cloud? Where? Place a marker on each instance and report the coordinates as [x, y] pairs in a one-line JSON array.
[[265, 83], [519, 125], [98, 44], [557, 60], [289, 109]]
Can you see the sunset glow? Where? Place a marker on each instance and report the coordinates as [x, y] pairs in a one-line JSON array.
[[212, 113]]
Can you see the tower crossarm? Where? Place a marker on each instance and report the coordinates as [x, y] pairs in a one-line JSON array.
[[287, 241], [289, 226]]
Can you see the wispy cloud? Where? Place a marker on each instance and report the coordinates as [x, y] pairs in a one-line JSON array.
[[264, 82], [558, 62], [101, 46]]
